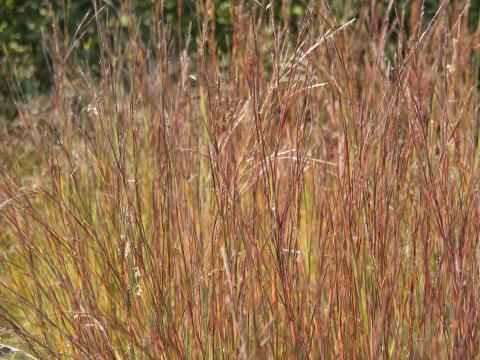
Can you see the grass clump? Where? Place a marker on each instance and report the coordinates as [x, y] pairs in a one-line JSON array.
[[309, 195]]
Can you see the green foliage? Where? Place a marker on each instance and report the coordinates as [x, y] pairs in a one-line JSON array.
[[25, 27]]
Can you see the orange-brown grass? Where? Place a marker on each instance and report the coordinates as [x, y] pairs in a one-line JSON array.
[[301, 196]]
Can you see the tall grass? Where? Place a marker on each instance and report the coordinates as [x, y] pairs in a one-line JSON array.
[[302, 196]]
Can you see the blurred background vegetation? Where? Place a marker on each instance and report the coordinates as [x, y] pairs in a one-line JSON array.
[[26, 28]]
